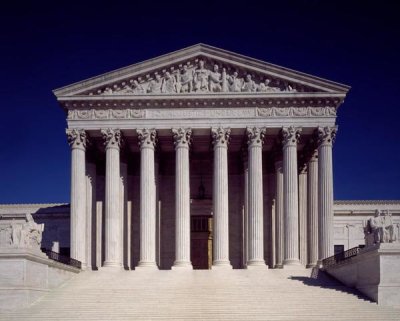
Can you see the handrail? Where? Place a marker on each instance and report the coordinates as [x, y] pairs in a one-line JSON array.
[[340, 258], [63, 259]]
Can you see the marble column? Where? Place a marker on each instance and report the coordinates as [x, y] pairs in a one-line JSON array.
[[312, 210], [256, 198], [113, 215], [326, 136], [303, 214], [279, 221], [90, 214], [220, 198], [77, 140], [147, 142], [245, 205], [290, 196], [182, 139]]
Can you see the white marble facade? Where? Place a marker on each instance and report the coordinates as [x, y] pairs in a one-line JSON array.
[[199, 113], [201, 126]]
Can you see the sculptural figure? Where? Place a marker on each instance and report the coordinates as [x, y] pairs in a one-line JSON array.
[[224, 81], [234, 83], [185, 81], [169, 84], [215, 80], [155, 85], [201, 78], [379, 229], [249, 85], [138, 88], [21, 234], [265, 87]]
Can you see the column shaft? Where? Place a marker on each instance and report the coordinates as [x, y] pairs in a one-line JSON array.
[[325, 191], [279, 215], [182, 198], [312, 219], [113, 215], [303, 215], [77, 141], [147, 199], [256, 198], [290, 196], [220, 198]]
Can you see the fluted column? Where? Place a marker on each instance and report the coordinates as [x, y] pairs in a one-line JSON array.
[[312, 215], [256, 211], [220, 198], [147, 142], [290, 196], [245, 205], [279, 221], [303, 214], [326, 136], [77, 140], [182, 138], [113, 215]]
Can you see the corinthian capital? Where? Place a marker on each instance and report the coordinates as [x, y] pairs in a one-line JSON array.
[[147, 137], [77, 138], [326, 135], [112, 138], [220, 136], [255, 136], [290, 136], [182, 136]]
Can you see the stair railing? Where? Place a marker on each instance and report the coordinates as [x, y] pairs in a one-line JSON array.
[[341, 257], [63, 259]]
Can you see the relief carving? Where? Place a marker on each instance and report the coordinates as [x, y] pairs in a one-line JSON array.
[[200, 76]]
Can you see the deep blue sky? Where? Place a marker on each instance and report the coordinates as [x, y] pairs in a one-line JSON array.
[[44, 47]]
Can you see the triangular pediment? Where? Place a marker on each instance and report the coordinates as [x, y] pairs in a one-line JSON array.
[[200, 70]]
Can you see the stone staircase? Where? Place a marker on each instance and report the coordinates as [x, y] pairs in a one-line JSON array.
[[203, 295]]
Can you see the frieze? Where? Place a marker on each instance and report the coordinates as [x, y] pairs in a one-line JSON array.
[[296, 112], [99, 114]]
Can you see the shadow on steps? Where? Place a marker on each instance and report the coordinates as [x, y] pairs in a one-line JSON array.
[[321, 279]]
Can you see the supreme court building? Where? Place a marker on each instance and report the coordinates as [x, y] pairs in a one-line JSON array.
[[201, 158]]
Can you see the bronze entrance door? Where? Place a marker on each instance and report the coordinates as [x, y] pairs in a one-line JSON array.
[[201, 241]]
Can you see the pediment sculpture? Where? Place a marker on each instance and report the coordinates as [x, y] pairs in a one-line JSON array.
[[199, 77], [17, 233], [379, 229]]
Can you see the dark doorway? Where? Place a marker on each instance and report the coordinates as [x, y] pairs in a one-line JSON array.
[[201, 241]]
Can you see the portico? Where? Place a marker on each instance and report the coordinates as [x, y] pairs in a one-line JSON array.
[[150, 140]]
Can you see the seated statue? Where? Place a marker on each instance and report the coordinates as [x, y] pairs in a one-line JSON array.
[[379, 229]]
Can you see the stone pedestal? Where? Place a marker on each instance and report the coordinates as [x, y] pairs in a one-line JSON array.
[[290, 196], [220, 198], [113, 215], [255, 198], [182, 198], [374, 272], [147, 142], [77, 140]]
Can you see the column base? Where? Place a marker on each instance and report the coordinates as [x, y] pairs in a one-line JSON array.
[[146, 265], [256, 264], [113, 265], [278, 266], [221, 265], [311, 265], [292, 264], [182, 265]]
